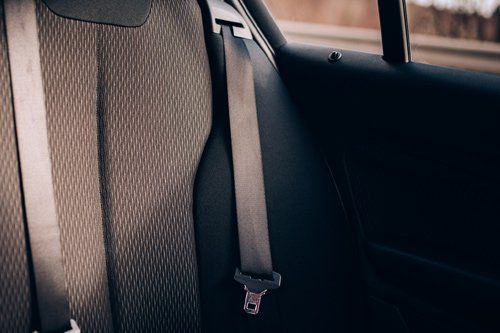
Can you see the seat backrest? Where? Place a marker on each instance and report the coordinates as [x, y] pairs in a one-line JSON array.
[[128, 112]]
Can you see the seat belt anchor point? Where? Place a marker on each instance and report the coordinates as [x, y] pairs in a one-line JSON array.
[[255, 288], [222, 13]]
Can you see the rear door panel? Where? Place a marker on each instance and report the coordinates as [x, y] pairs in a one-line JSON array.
[[416, 151]]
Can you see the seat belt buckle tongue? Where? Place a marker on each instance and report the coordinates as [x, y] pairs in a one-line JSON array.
[[255, 288], [252, 301]]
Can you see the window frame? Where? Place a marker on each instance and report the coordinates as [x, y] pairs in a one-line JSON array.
[[393, 28]]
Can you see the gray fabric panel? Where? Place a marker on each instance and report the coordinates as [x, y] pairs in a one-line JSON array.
[[69, 68], [156, 113], [35, 166], [15, 311], [129, 110]]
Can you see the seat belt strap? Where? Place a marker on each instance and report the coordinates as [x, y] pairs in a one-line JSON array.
[[35, 165], [256, 273], [251, 210]]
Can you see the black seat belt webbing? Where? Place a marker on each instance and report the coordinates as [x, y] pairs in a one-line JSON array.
[[251, 210], [256, 272], [35, 165]]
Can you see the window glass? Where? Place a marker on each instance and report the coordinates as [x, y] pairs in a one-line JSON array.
[[344, 24], [456, 33]]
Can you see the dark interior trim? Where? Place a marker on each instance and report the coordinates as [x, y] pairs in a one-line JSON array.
[[125, 13], [394, 30], [266, 23]]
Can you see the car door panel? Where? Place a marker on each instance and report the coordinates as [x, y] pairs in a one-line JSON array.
[[415, 149]]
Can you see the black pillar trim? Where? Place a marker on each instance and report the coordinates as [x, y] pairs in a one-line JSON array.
[[394, 29]]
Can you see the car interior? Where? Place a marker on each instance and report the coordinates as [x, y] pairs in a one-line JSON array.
[[179, 166]]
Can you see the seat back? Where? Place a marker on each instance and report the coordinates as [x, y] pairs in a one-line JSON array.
[[128, 112]]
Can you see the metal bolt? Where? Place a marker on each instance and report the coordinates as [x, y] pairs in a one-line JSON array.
[[334, 56]]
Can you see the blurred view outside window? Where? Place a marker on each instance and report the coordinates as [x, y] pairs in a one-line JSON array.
[[344, 24], [454, 33]]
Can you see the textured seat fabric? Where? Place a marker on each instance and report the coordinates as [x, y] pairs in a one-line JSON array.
[[15, 310], [128, 112]]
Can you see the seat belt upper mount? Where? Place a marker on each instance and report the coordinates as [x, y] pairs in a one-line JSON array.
[[222, 13], [256, 272]]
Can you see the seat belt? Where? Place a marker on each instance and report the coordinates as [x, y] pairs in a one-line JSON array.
[[256, 273], [36, 175]]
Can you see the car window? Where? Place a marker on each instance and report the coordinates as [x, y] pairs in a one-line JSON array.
[[344, 24], [453, 33], [456, 33]]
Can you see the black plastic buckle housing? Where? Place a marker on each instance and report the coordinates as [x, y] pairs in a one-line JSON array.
[[257, 285]]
